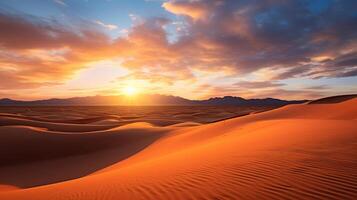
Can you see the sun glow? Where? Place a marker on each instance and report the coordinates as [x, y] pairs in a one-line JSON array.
[[130, 90]]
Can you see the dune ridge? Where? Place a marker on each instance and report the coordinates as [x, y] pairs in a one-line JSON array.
[[333, 99], [293, 152]]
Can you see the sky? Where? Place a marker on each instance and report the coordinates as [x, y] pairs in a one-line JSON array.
[[197, 49]]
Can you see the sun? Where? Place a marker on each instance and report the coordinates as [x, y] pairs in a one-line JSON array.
[[130, 90]]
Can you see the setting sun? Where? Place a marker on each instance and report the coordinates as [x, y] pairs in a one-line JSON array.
[[130, 90]]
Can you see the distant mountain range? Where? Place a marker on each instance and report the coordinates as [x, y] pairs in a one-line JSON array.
[[148, 100]]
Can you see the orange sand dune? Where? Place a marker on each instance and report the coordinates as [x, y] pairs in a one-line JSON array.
[[294, 152], [33, 156], [64, 127]]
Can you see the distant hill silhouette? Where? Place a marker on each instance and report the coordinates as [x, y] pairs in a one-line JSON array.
[[155, 99], [239, 101]]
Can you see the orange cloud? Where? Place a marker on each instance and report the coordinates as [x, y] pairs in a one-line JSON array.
[[50, 55], [194, 10]]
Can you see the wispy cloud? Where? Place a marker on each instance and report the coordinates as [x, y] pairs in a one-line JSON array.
[[107, 26], [60, 2]]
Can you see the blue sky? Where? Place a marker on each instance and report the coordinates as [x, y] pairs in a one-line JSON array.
[[116, 12]]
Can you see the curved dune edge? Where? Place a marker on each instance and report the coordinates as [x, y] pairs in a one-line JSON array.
[[293, 152], [333, 99]]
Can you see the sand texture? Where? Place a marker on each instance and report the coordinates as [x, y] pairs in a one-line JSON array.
[[305, 151]]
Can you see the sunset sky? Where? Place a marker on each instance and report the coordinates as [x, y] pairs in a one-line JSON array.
[[191, 48]]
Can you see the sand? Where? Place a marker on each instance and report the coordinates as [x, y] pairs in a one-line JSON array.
[[294, 152]]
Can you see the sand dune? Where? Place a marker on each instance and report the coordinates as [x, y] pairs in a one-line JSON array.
[[333, 99], [63, 127], [294, 152], [120, 115], [41, 156]]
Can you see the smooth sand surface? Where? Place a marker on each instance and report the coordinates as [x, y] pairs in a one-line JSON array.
[[294, 152]]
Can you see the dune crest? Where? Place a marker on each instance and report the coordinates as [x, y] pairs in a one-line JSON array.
[[293, 152], [333, 99]]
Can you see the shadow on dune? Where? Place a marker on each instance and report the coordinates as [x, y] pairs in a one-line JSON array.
[[32, 157], [333, 99]]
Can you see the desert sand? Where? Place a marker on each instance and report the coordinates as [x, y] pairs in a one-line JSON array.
[[305, 151]]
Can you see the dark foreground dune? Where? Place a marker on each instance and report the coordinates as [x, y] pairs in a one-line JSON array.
[[294, 152], [334, 99]]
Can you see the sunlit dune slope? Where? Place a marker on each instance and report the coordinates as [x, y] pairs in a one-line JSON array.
[[294, 152]]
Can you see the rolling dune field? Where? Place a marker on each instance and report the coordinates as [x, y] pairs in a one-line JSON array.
[[304, 151]]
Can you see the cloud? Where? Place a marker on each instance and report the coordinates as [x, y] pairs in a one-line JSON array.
[[46, 33], [251, 35], [257, 84], [107, 26], [150, 77], [146, 47], [60, 2], [193, 9], [286, 39], [36, 52], [317, 87], [11, 80]]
